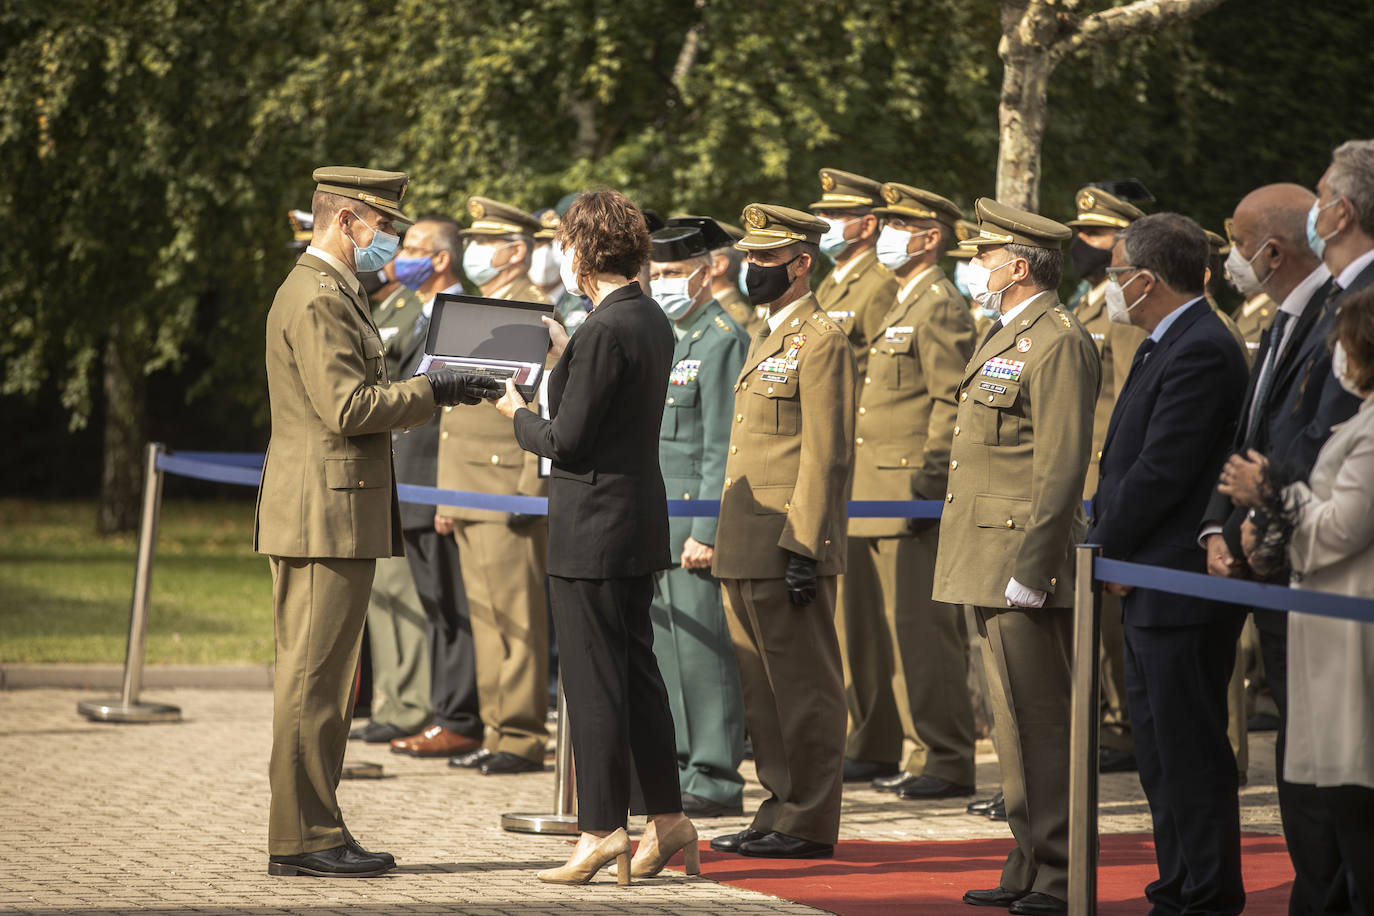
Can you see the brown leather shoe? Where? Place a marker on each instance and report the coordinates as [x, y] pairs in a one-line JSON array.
[[435, 741]]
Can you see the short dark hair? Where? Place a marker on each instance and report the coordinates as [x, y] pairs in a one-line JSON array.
[[448, 236], [324, 206], [1046, 264], [609, 233], [1355, 331], [1171, 246]]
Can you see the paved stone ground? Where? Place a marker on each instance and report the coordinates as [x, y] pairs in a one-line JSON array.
[[98, 818]]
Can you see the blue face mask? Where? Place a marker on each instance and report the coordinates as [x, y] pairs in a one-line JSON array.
[[374, 257], [961, 277], [740, 281], [1315, 241], [413, 273], [832, 241]]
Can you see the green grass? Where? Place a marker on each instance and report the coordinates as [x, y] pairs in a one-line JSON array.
[[65, 591]]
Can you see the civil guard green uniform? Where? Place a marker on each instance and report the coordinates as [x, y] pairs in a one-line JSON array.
[[691, 636], [1013, 513], [898, 644]]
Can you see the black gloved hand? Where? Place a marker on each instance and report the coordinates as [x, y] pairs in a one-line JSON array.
[[519, 521], [454, 387], [800, 579]]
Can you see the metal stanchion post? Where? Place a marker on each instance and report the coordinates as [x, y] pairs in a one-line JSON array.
[[1087, 627], [563, 821], [128, 708]]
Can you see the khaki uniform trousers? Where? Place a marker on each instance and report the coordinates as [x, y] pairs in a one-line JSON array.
[[503, 575], [318, 610], [925, 654], [396, 632], [1027, 654], [789, 665]]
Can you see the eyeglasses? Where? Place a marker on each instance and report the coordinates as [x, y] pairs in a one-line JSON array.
[[1114, 272]]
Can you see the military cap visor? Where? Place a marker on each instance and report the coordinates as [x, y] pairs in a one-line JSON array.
[[906, 202], [847, 191], [491, 217], [383, 191], [548, 220], [712, 233], [1000, 224], [770, 226], [1101, 210]]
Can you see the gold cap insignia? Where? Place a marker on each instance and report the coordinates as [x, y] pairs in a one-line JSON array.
[[890, 194], [549, 220], [755, 218], [405, 186], [476, 210], [1086, 199], [827, 182]]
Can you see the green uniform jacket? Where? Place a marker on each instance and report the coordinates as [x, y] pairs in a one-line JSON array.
[[791, 452], [1021, 445], [1116, 346], [694, 440], [328, 487], [907, 402], [858, 303], [395, 319], [737, 306]]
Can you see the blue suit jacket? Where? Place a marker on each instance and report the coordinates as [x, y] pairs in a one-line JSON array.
[[1169, 434]]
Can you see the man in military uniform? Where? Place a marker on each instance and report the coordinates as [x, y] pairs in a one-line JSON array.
[[327, 505], [903, 431], [546, 259], [1013, 513], [503, 553], [691, 637], [858, 293], [1218, 248], [725, 268], [780, 543], [1101, 215]]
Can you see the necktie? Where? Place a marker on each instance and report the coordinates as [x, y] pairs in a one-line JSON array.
[[1266, 379], [992, 332], [1137, 361], [421, 326]]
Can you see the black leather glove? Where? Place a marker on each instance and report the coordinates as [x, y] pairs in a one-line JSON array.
[[519, 521], [800, 579], [454, 387]]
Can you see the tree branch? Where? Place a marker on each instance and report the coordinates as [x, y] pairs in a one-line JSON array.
[[1139, 18]]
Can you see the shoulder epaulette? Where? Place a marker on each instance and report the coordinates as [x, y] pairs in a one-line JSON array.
[[722, 323], [1062, 317]]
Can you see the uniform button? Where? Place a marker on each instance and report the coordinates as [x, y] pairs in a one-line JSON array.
[[1099, 454], [872, 351], [949, 497], [903, 462], [862, 411], [746, 386], [448, 409], [954, 465], [868, 380], [739, 418], [728, 481], [787, 507], [827, 542], [1011, 524], [670, 400], [686, 495], [495, 459], [733, 449], [859, 441], [444, 434], [770, 389], [956, 430], [1053, 582], [963, 396], [989, 399], [361, 484]]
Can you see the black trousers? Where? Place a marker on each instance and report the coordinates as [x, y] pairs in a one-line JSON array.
[[1308, 829], [1176, 689], [617, 704], [452, 663], [1352, 813]]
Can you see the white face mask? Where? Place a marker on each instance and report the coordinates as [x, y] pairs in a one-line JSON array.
[[1340, 368], [566, 265], [893, 244], [989, 302], [1241, 271], [544, 265], [1117, 309], [672, 295], [477, 259]]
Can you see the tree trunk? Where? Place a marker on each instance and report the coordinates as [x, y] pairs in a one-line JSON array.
[[125, 389], [1021, 125]]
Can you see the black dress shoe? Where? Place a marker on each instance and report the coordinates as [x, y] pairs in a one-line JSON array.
[[503, 764], [357, 847], [867, 770], [339, 862], [781, 846], [993, 896], [1110, 760], [471, 760], [982, 805], [377, 733], [696, 806], [731, 842], [895, 783], [1036, 902], [927, 786], [998, 812]]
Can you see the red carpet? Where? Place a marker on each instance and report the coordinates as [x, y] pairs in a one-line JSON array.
[[877, 879]]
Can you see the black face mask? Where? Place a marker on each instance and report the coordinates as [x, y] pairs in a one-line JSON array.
[[1087, 260], [767, 284]]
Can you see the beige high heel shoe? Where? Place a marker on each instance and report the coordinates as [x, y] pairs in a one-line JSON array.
[[683, 836], [614, 846]]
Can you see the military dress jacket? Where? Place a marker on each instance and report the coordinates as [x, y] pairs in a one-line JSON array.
[[907, 402], [1116, 346], [1254, 318], [477, 448], [328, 487], [791, 451], [1014, 506], [858, 303], [698, 411], [395, 319], [741, 312]]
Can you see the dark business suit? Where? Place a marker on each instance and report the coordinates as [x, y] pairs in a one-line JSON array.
[[608, 535], [434, 565], [1169, 434]]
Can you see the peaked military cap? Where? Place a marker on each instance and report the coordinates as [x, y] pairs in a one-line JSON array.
[[380, 190], [548, 220], [904, 200], [1097, 208], [491, 217], [1001, 224], [771, 226], [964, 230], [712, 233], [1216, 245], [677, 243], [302, 224], [847, 191]]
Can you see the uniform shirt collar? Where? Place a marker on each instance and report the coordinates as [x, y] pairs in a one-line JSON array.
[[1007, 317], [340, 266], [848, 267], [915, 281], [779, 317]]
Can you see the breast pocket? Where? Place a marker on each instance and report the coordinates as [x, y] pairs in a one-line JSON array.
[[998, 419], [898, 362], [374, 353], [774, 408], [679, 407]]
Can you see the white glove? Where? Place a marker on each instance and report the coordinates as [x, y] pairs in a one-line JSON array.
[[1019, 595]]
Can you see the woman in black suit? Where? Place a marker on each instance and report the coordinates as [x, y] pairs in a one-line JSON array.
[[608, 535]]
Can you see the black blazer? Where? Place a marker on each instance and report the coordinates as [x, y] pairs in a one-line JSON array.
[[608, 511], [1169, 434], [416, 449]]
